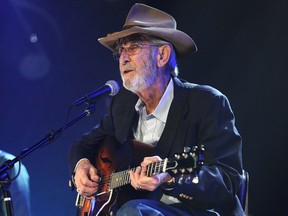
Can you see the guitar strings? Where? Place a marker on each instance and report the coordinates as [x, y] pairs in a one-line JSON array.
[[123, 177]]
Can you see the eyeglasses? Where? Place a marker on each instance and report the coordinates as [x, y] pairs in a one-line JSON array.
[[133, 49]]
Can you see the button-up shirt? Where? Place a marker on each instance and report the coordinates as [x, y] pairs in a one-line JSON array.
[[150, 127]]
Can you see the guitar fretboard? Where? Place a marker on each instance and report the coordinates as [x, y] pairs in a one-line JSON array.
[[119, 179], [123, 178]]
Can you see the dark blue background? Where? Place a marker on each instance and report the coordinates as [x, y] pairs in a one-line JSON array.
[[50, 56]]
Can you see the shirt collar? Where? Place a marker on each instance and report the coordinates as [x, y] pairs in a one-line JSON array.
[[162, 109]]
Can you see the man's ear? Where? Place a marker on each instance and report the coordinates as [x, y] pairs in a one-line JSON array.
[[163, 55]]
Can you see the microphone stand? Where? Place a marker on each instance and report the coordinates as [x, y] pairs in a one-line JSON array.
[[5, 182]]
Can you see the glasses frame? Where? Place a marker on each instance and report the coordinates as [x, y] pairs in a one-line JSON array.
[[130, 50]]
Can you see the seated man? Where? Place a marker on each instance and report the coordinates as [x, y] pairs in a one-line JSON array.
[[160, 110]]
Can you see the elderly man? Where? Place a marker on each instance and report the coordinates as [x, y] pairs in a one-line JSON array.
[[160, 114]]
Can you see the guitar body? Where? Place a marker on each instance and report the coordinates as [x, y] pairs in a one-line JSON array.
[[114, 187], [98, 207]]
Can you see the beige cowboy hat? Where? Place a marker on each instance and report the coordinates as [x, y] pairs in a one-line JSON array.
[[143, 19]]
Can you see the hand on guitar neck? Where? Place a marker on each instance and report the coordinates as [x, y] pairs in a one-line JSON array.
[[140, 179]]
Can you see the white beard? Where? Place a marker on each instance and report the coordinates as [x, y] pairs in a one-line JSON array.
[[144, 77]]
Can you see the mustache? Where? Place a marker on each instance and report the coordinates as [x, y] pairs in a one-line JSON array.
[[126, 68]]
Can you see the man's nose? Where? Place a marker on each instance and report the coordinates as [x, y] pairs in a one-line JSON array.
[[124, 57]]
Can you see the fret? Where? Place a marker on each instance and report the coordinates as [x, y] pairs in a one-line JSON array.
[[150, 169], [154, 168], [119, 179]]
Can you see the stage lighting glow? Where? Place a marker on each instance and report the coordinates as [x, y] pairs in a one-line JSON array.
[[34, 66]]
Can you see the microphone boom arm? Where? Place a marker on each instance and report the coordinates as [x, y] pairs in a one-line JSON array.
[[5, 181]]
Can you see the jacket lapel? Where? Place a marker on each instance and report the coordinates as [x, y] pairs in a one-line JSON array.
[[175, 114], [129, 120]]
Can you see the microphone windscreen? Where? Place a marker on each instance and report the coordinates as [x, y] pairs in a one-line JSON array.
[[114, 87]]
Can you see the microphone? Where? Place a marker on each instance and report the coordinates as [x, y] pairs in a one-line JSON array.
[[111, 87]]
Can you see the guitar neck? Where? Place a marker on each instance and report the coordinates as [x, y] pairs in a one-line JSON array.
[[185, 163], [119, 179], [122, 178]]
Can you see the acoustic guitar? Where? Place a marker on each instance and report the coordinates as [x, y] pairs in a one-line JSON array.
[[106, 198]]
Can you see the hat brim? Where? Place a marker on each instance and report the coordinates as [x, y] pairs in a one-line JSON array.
[[182, 42]]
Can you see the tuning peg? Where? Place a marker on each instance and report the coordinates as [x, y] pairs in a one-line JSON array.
[[180, 180], [188, 180], [187, 149], [192, 154], [175, 171], [195, 180], [190, 170], [177, 156], [202, 148], [184, 155], [182, 170]]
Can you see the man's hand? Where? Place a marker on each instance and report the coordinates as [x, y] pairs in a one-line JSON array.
[[139, 179], [86, 179]]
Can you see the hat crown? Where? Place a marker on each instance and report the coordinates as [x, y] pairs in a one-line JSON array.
[[146, 16], [143, 19]]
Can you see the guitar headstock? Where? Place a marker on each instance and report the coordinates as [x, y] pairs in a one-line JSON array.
[[187, 162]]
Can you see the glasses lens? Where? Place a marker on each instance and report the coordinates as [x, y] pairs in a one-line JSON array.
[[117, 52], [116, 55], [133, 49]]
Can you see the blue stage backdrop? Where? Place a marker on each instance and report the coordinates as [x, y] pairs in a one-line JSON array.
[[50, 56]]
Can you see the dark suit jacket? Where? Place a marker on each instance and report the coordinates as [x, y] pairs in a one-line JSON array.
[[199, 115]]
